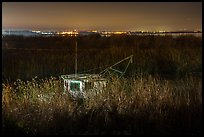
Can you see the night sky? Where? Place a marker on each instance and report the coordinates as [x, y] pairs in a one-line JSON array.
[[121, 16]]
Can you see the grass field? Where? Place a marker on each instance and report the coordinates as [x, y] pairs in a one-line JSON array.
[[161, 92]]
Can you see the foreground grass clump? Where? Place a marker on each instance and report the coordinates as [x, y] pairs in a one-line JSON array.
[[138, 105]]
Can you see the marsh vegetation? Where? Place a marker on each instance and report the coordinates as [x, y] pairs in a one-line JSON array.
[[161, 92]]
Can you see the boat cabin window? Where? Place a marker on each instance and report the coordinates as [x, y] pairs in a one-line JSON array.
[[75, 86], [89, 85]]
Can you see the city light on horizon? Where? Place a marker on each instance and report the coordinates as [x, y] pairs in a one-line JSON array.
[[107, 16]]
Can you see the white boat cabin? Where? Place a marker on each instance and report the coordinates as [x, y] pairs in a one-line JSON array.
[[83, 85]]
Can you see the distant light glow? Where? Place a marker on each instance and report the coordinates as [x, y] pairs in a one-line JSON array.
[[68, 33], [112, 16], [36, 31], [47, 33]]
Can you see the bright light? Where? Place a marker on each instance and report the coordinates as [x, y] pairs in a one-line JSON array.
[[161, 31], [36, 31], [46, 33], [68, 33], [119, 32]]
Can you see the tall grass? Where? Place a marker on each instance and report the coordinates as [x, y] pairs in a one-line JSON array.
[[166, 56], [160, 93], [139, 105]]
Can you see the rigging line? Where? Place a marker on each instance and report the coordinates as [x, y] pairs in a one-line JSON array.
[[130, 61], [91, 69], [94, 69], [129, 57], [104, 71]]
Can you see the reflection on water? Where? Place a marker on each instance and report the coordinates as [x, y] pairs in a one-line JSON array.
[[172, 34], [186, 34]]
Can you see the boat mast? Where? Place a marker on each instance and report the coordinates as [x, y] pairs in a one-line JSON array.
[[75, 53]]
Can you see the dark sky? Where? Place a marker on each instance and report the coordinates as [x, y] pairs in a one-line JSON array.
[[151, 16]]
